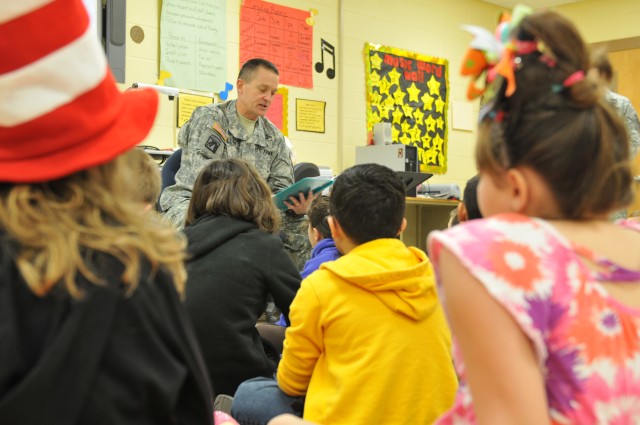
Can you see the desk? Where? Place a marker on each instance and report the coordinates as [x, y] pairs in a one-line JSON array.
[[424, 215]]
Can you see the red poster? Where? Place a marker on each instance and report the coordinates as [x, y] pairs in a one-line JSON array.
[[278, 111], [281, 35], [274, 113]]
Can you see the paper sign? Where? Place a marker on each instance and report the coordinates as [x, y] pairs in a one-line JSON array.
[[278, 112], [310, 115], [281, 35], [193, 44], [187, 103]]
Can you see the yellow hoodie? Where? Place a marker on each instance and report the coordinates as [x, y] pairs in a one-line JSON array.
[[368, 342]]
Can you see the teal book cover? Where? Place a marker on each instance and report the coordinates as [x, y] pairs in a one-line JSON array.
[[315, 184]]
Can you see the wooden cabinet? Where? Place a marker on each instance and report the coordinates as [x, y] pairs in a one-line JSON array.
[[424, 215]]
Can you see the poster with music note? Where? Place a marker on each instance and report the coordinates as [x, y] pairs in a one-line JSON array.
[[410, 91], [281, 35], [326, 47]]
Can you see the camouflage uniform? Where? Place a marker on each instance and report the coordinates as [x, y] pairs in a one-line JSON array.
[[625, 109], [214, 132]]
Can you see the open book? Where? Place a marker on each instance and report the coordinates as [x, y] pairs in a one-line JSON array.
[[315, 184]]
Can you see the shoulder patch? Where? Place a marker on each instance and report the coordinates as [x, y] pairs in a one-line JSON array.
[[218, 129]]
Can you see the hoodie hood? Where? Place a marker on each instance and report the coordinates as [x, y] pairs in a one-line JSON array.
[[399, 276], [210, 231]]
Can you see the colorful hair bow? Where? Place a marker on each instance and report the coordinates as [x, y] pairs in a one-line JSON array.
[[494, 54]]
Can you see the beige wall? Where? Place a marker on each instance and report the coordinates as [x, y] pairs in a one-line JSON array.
[[604, 20]]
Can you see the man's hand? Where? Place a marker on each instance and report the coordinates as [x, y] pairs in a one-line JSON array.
[[300, 205]]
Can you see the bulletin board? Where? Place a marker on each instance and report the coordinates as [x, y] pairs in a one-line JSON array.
[[278, 112], [410, 91], [281, 35]]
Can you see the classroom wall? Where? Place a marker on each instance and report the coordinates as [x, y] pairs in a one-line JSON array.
[[428, 27], [604, 20], [142, 66]]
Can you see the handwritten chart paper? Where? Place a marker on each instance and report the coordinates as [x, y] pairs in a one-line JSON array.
[[411, 91], [193, 44], [187, 103], [278, 112], [310, 115], [281, 35]]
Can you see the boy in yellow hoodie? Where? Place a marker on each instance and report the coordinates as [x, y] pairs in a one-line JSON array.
[[368, 342]]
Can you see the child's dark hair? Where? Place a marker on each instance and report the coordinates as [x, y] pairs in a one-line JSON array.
[[318, 214], [557, 123], [470, 198], [368, 200], [233, 187]]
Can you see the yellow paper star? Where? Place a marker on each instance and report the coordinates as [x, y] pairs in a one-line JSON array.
[[431, 124], [439, 106], [395, 133], [399, 96], [434, 86], [374, 77], [405, 139], [384, 111], [405, 126], [413, 93], [430, 156], [397, 116], [426, 140], [408, 110], [375, 118], [418, 115], [394, 77], [375, 98], [428, 101], [389, 101], [376, 60], [440, 123], [384, 85], [438, 142], [415, 133]]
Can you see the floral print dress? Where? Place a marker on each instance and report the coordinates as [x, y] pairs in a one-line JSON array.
[[587, 343]]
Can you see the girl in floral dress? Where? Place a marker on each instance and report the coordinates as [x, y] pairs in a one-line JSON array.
[[543, 297]]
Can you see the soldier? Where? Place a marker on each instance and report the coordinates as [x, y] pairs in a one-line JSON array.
[[239, 129], [601, 68]]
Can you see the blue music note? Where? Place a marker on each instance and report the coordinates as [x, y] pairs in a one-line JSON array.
[[225, 93]]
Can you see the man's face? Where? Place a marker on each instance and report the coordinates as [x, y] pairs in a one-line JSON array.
[[256, 94]]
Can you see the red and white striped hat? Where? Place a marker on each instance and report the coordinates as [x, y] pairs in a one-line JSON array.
[[60, 109]]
